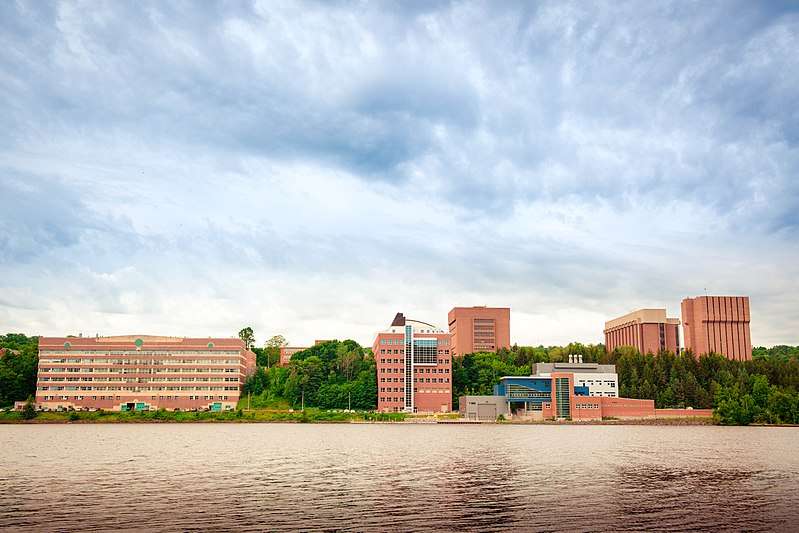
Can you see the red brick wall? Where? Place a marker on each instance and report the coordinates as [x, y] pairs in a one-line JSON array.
[[718, 324], [461, 325], [627, 407], [680, 413]]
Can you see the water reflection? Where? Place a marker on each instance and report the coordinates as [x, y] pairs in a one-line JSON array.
[[390, 477], [655, 496]]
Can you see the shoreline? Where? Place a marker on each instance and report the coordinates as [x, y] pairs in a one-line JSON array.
[[275, 417], [314, 416]]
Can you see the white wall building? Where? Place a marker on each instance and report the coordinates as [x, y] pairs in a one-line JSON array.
[[601, 380]]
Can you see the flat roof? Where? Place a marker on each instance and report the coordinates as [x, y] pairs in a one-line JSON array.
[[642, 316]]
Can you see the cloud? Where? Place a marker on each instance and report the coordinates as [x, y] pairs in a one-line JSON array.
[[311, 168]]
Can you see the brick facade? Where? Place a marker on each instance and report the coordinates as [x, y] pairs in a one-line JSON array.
[[479, 329], [718, 324]]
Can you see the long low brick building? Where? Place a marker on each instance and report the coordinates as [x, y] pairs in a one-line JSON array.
[[141, 372]]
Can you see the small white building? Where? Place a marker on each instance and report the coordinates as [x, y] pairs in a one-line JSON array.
[[601, 380]]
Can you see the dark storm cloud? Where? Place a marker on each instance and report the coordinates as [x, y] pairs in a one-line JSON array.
[[665, 94]]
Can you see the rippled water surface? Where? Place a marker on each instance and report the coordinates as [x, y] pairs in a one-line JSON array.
[[397, 477]]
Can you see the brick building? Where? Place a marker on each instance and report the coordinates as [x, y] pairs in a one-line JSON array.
[[559, 395], [126, 373], [648, 330], [718, 324], [287, 351], [414, 367], [479, 329]]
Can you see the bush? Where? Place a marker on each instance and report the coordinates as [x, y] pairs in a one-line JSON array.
[[29, 411]]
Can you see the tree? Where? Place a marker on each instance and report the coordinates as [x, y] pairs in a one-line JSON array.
[[276, 341], [247, 336], [19, 360], [271, 350], [29, 411]]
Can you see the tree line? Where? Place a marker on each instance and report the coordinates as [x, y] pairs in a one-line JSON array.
[[342, 374]]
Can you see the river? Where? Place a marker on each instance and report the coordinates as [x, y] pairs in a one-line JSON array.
[[384, 477]]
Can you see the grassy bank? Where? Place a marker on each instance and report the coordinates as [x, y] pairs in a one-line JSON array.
[[111, 417], [308, 416]]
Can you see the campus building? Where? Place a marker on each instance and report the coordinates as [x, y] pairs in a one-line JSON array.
[[718, 324], [599, 380], [479, 329], [143, 372], [287, 351], [648, 330], [557, 395], [414, 367]]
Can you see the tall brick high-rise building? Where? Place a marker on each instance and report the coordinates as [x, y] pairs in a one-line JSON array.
[[414, 367], [648, 330], [479, 329], [718, 324]]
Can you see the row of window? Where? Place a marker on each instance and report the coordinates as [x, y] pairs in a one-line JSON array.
[[415, 390], [75, 387], [134, 380], [415, 380], [401, 361], [129, 361], [610, 383], [419, 350], [137, 353], [50, 398], [400, 342], [587, 406], [416, 370], [87, 370]]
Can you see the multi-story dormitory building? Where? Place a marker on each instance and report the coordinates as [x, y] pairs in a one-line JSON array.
[[414, 367], [127, 373]]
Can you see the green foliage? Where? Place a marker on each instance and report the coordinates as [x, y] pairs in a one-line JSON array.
[[757, 401], [331, 375], [781, 352], [269, 355], [307, 416], [29, 411], [762, 390], [247, 335], [18, 365]]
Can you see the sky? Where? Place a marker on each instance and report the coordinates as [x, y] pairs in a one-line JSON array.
[[311, 168]]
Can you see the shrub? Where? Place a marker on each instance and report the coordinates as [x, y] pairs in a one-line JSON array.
[[29, 411]]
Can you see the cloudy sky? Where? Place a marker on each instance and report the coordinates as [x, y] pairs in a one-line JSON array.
[[188, 168]]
